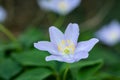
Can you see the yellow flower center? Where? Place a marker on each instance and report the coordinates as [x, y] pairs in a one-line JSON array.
[[66, 47], [63, 6], [113, 35], [67, 51]]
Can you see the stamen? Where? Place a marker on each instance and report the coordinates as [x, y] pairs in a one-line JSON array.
[[66, 51], [66, 47], [62, 5], [114, 35]]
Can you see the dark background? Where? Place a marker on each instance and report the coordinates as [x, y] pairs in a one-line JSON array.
[[19, 60]]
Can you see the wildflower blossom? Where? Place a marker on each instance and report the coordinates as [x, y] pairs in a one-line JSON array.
[[109, 34], [61, 7], [64, 47], [3, 14]]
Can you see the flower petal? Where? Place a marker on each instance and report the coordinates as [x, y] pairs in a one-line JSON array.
[[69, 58], [73, 4], [47, 5], [80, 55], [60, 58], [3, 14], [72, 32], [46, 46], [86, 45], [53, 57], [109, 34], [55, 35]]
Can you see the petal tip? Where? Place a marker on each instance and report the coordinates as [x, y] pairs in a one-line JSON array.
[[95, 40], [86, 56], [35, 45], [51, 28], [48, 58], [75, 24]]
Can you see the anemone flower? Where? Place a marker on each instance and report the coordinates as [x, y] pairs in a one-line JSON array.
[[3, 14], [64, 47], [109, 34], [61, 7]]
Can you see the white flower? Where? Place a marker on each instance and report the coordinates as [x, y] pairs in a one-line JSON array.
[[109, 34], [3, 14], [61, 7], [64, 47]]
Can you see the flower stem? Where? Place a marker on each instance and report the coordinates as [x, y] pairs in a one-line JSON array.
[[57, 77], [59, 21], [7, 33], [10, 36], [65, 73]]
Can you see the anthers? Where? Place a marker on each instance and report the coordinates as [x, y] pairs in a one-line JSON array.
[[66, 47]]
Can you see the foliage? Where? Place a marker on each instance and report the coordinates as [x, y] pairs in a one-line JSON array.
[[24, 62]]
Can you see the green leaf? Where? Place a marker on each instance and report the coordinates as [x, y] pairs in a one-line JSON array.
[[30, 36], [100, 52], [1, 56], [88, 70], [9, 46], [33, 58], [35, 74], [81, 64], [105, 76], [83, 69], [9, 68]]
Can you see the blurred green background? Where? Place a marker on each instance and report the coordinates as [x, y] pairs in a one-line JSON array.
[[19, 60]]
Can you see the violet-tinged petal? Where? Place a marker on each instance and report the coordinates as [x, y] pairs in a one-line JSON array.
[[73, 4], [47, 5], [3, 14], [60, 58], [72, 32], [81, 55], [54, 57], [114, 24], [56, 36], [109, 34], [65, 6], [44, 4], [86, 45], [46, 46], [69, 58]]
